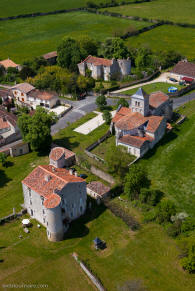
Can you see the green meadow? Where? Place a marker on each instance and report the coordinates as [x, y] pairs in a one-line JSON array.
[[13, 7], [175, 10], [22, 39], [167, 37]]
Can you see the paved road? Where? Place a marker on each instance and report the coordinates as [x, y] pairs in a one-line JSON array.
[[182, 100], [80, 108]]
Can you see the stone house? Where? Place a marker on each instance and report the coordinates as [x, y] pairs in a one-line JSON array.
[[97, 191], [183, 70], [54, 197], [141, 126], [105, 69], [19, 149], [61, 157], [26, 95]]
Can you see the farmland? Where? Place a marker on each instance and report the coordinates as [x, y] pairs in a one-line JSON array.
[[25, 38], [167, 37], [9, 7], [175, 10]]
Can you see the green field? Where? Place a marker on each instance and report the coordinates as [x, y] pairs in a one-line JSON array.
[[171, 165], [167, 37], [25, 38], [175, 10], [153, 87], [9, 7]]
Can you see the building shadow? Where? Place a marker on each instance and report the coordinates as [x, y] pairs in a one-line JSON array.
[[78, 227], [9, 164], [4, 179], [65, 142]]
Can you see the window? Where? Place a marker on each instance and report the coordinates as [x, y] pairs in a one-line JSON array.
[[43, 211], [138, 103], [21, 151], [31, 212], [81, 209], [43, 220], [29, 192], [71, 214], [135, 103], [30, 202], [22, 94]]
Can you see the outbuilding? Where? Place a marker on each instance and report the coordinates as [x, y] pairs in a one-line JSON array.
[[97, 190]]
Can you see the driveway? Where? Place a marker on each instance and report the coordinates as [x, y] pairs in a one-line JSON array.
[[163, 78], [80, 108]]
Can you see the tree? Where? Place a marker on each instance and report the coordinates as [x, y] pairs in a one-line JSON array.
[[26, 72], [150, 196], [116, 161], [101, 102], [188, 262], [165, 209], [123, 102], [188, 224], [2, 71], [36, 130], [3, 159], [134, 181], [84, 84], [88, 46], [114, 48], [107, 116]]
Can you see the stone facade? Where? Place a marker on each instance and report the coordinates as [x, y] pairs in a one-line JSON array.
[[105, 69], [141, 126]]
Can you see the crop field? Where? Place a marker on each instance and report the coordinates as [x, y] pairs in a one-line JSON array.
[[175, 10], [167, 37], [9, 7], [25, 38]]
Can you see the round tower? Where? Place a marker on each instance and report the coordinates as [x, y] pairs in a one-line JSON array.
[[125, 66], [55, 228]]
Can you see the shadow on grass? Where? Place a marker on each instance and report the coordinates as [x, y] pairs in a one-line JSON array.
[[169, 137], [4, 179], [9, 164], [65, 142], [78, 227]]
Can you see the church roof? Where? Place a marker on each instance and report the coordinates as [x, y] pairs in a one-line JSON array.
[[140, 94]]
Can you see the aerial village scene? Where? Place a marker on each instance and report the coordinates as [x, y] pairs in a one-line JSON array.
[[97, 145]]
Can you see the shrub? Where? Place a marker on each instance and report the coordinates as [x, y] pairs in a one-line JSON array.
[[3, 159], [101, 102], [165, 209], [123, 102], [174, 229], [107, 116], [188, 225], [150, 196], [188, 263]]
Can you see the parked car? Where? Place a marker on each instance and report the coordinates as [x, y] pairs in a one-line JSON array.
[[82, 96], [83, 176], [172, 79]]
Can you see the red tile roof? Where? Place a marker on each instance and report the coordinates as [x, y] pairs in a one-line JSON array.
[[153, 123], [58, 178], [52, 201], [5, 93], [43, 95], [135, 141], [122, 112], [8, 64], [3, 123], [50, 55], [11, 118], [98, 61], [130, 121], [184, 68], [57, 152], [98, 188], [157, 98]]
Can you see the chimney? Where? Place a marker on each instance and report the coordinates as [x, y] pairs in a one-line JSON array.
[[71, 171], [76, 174], [47, 178]]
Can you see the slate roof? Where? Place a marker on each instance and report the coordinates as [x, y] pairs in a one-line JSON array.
[[140, 94], [184, 68]]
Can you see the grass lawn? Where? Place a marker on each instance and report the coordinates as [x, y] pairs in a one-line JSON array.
[[174, 10], [171, 164], [153, 87], [148, 255], [167, 37], [22, 39], [9, 7]]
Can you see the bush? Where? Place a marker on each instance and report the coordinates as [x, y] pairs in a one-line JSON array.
[[123, 102], [188, 225], [150, 216], [107, 116], [174, 229], [188, 263], [165, 209], [101, 102], [150, 196]]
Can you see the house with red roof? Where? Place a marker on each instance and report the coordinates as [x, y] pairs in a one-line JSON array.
[[105, 69], [184, 70], [27, 95], [9, 64], [54, 196], [141, 126]]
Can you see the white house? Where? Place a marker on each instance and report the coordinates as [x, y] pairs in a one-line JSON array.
[[26, 95], [141, 126]]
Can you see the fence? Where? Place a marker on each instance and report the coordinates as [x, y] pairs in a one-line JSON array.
[[182, 91]]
